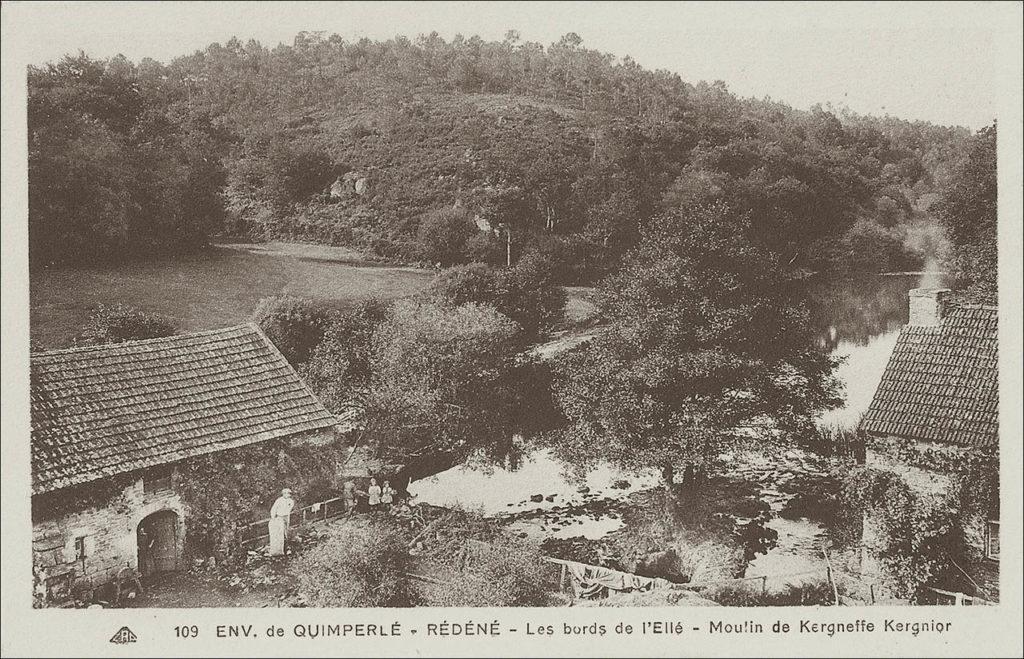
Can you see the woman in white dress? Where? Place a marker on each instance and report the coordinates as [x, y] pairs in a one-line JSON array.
[[280, 514]]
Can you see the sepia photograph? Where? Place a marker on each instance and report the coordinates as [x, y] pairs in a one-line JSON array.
[[469, 305]]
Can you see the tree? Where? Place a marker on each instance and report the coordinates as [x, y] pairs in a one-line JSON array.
[[115, 170], [360, 564], [968, 209], [442, 380], [705, 349], [339, 368], [294, 325], [870, 247], [121, 323]]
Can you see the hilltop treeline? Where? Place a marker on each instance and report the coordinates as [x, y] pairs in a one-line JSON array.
[[458, 151]]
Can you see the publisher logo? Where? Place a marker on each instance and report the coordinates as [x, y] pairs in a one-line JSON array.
[[124, 635]]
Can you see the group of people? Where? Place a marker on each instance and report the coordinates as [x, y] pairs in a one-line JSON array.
[[378, 498]]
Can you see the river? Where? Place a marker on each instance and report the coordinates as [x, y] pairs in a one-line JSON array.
[[857, 319]]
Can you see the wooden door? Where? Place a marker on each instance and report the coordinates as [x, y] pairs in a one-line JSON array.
[[158, 546]]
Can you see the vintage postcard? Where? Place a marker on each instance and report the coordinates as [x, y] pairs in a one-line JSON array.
[[511, 329]]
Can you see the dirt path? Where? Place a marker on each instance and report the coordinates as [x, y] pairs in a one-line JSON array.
[[565, 342], [198, 590]]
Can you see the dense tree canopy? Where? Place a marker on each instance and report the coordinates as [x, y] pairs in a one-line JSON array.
[[557, 149], [968, 208], [112, 169], [442, 380], [705, 348]]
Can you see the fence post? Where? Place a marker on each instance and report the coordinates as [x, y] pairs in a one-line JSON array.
[[828, 573], [764, 586]]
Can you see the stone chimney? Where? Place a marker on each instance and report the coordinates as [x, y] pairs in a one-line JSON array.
[[928, 306]]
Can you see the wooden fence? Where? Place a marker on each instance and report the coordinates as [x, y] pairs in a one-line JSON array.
[[257, 533]]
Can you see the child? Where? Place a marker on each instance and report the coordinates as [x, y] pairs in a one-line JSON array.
[[373, 494], [387, 495]]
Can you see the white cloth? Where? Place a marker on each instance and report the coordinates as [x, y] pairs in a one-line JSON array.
[[277, 527], [373, 495]]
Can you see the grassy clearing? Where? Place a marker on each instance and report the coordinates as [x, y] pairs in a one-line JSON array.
[[215, 289]]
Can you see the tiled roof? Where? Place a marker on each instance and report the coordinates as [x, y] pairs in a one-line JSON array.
[[111, 409], [942, 382]]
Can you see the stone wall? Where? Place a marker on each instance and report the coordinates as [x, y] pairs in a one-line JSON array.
[[925, 482], [84, 549]]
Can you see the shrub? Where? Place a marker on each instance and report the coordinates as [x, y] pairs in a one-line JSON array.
[[442, 236], [486, 567], [121, 323], [812, 593], [294, 325], [361, 564], [525, 293], [440, 379], [510, 573], [339, 366]]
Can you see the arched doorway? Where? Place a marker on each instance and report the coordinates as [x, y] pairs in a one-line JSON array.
[[157, 537]]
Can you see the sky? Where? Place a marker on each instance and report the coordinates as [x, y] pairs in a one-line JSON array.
[[935, 62]]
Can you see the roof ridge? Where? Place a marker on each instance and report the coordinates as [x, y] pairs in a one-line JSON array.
[[976, 305], [140, 342]]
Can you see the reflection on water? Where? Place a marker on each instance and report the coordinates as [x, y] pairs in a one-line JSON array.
[[859, 319], [855, 310], [860, 373]]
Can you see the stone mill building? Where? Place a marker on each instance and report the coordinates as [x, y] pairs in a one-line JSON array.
[[938, 402], [110, 425]]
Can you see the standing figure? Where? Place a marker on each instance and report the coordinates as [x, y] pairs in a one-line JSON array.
[[146, 542], [387, 494], [280, 514], [373, 494], [349, 497]]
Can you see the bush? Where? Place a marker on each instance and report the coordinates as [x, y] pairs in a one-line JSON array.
[[511, 573], [441, 379], [812, 593], [123, 323], [525, 293], [485, 566], [339, 365], [443, 234], [294, 325], [361, 564]]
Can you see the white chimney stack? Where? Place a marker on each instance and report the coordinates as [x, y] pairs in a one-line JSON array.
[[928, 306]]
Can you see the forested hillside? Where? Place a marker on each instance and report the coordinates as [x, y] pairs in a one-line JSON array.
[[447, 152]]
